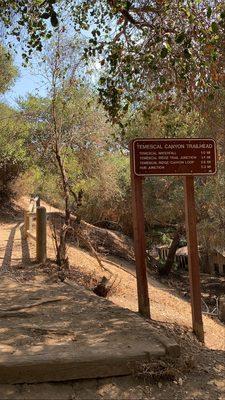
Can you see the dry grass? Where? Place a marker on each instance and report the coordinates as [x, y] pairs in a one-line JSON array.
[[164, 370]]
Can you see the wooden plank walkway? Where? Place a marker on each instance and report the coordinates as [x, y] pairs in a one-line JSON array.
[[77, 336]]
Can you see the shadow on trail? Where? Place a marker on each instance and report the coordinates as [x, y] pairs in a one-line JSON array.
[[25, 247], [6, 263], [83, 321]]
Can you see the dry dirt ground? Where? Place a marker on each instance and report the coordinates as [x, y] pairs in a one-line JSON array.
[[199, 374]]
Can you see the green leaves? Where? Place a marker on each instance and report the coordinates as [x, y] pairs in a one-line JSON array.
[[102, 80], [214, 27], [187, 53], [30, 22], [222, 14], [54, 20], [13, 154], [180, 38], [166, 49], [209, 12], [162, 80], [45, 15], [8, 72], [164, 52]]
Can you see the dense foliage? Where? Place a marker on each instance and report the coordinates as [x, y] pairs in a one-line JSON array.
[[99, 167], [13, 130], [169, 49], [8, 72], [13, 148], [161, 75]]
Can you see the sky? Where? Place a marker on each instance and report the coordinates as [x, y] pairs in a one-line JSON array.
[[26, 83]]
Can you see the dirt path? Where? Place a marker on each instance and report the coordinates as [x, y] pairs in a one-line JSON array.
[[13, 249], [166, 306], [205, 381]]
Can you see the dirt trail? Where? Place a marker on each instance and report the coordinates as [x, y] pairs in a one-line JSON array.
[[207, 381], [166, 306]]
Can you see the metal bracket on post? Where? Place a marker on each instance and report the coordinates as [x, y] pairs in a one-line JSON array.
[[41, 235]]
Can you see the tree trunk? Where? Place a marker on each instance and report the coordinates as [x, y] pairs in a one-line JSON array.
[[166, 269], [65, 185], [61, 257]]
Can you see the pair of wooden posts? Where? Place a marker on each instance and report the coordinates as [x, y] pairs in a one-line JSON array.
[[140, 251], [41, 232], [175, 157]]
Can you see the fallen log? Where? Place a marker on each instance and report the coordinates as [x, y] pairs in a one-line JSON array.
[[108, 242], [103, 240]]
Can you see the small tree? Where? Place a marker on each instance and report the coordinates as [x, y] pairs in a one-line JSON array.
[[13, 153], [61, 61], [67, 128]]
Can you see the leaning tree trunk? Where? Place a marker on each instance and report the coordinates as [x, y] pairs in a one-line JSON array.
[[167, 267]]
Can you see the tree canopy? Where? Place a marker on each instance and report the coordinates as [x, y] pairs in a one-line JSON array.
[[161, 63], [169, 48], [13, 151], [28, 20], [8, 72]]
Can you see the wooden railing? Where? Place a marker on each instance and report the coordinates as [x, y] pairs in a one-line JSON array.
[[38, 214]]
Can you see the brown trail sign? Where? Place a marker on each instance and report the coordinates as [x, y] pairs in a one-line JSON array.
[[174, 157], [184, 157]]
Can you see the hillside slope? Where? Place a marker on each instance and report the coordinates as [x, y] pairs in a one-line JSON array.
[[204, 380]]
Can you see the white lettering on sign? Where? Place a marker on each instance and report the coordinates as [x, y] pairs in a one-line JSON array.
[[174, 157]]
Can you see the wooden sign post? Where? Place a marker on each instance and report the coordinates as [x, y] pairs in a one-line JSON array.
[[182, 157], [139, 243], [193, 258]]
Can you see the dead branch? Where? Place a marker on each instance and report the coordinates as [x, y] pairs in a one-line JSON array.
[[17, 314], [94, 252], [37, 303]]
